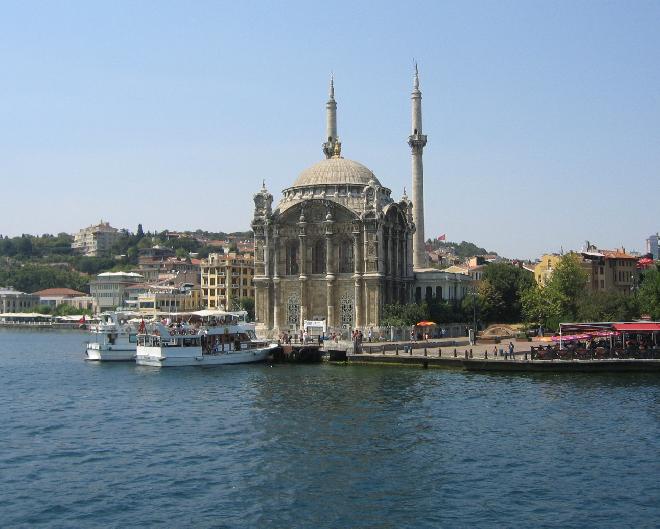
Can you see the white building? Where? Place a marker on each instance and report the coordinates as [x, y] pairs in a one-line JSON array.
[[95, 241], [15, 301], [652, 246], [110, 288]]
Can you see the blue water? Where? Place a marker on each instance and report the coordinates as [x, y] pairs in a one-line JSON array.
[[116, 445]]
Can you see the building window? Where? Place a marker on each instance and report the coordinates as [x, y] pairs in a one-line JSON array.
[[418, 294], [292, 258], [318, 257], [429, 293], [438, 292], [345, 256]]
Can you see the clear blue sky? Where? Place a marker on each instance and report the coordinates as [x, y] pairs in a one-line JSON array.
[[543, 117]]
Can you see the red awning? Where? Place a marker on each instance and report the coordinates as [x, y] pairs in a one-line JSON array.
[[637, 327]]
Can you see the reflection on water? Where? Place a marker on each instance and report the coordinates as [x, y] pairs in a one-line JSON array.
[[108, 445]]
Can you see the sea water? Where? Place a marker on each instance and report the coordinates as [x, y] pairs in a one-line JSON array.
[[320, 446]]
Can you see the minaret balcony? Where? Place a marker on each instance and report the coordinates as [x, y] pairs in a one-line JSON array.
[[417, 140]]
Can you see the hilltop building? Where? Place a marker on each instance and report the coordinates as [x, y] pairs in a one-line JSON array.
[[95, 241], [338, 246], [545, 267], [607, 270], [610, 270], [226, 278], [652, 246]]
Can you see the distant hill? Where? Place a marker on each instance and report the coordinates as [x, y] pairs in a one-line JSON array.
[[463, 249]]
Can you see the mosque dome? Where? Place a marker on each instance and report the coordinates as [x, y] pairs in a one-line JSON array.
[[336, 171]]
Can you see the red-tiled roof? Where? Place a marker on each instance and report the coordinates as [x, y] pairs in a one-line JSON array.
[[616, 254], [136, 286], [68, 292]]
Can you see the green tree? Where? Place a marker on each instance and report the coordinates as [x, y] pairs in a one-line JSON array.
[[398, 315], [559, 299], [648, 294], [501, 291], [32, 277], [24, 246], [140, 232], [247, 304], [607, 306]]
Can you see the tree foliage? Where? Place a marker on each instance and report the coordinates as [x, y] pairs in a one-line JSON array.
[[31, 278], [398, 315], [561, 297], [648, 294], [247, 304], [463, 249]]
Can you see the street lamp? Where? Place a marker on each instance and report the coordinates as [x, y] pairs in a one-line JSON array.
[[473, 291]]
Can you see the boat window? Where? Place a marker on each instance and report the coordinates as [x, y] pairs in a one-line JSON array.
[[132, 338]]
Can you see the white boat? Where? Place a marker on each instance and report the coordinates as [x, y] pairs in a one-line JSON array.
[[208, 338], [114, 340]]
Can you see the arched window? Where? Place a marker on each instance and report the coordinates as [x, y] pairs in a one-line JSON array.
[[438, 293], [429, 293], [345, 256], [292, 258], [318, 257]]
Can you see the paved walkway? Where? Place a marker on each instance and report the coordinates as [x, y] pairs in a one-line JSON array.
[[448, 345]]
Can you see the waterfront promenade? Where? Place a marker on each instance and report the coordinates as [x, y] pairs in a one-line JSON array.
[[446, 347], [483, 357]]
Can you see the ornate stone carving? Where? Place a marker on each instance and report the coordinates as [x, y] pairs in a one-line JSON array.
[[293, 310], [346, 309]]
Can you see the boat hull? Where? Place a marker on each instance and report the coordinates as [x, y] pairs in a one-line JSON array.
[[192, 356], [96, 354]]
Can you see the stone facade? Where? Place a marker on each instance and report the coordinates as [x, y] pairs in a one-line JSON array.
[[332, 250], [338, 246]]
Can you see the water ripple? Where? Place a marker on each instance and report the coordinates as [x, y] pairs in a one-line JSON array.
[[89, 445]]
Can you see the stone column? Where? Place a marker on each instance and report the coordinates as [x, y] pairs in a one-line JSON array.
[[330, 272], [417, 141], [357, 275], [276, 280], [302, 234]]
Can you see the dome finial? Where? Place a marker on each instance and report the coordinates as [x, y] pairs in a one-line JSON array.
[[332, 86], [337, 149], [416, 78]]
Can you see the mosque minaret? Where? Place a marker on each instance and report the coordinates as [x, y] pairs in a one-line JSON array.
[[331, 122], [417, 141]]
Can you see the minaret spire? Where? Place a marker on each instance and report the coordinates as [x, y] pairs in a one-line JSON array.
[[417, 141], [331, 121]]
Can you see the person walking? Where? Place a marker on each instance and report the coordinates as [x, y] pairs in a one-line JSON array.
[[511, 351]]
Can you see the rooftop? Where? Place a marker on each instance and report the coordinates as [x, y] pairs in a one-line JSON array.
[[63, 292]]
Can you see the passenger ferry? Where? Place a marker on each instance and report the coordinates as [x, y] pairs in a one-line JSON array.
[[206, 338], [114, 339]]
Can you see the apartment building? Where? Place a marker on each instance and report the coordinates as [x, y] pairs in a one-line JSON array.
[[226, 278]]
